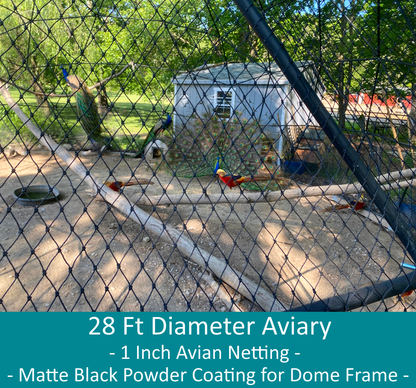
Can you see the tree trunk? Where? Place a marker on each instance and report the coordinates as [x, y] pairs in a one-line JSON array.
[[40, 99], [393, 129], [102, 101], [342, 102], [345, 71], [244, 43]]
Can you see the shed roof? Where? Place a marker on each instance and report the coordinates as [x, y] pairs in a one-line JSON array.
[[243, 73]]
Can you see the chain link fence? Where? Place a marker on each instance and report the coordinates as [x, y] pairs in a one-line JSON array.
[[207, 155]]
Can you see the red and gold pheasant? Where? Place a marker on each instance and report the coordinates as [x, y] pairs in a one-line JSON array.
[[354, 205], [236, 180], [117, 185]]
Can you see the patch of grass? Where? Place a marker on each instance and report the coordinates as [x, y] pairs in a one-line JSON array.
[[128, 120]]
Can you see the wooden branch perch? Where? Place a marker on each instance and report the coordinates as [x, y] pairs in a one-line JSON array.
[[218, 267], [274, 196], [222, 293], [98, 84]]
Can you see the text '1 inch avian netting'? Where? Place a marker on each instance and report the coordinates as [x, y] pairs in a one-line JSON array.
[[207, 155]]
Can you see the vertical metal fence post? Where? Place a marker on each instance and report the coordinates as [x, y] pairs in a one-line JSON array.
[[277, 50]]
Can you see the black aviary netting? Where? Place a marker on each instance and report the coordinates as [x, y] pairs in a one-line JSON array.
[[207, 155]]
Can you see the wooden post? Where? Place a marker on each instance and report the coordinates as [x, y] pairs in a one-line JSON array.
[[393, 129]]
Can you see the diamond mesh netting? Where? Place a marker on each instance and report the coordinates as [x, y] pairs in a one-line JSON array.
[[207, 155]]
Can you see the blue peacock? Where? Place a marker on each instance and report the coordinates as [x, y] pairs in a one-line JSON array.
[[158, 129], [87, 112]]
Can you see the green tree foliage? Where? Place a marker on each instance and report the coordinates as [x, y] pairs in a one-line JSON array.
[[390, 37], [36, 37], [94, 39]]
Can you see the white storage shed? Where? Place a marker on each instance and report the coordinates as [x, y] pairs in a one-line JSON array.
[[256, 92]]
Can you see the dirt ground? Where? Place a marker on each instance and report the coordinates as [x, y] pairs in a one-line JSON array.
[[81, 254]]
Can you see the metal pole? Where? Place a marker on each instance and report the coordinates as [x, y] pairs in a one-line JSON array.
[[311, 100]]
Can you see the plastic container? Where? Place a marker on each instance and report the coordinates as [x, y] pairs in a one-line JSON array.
[[294, 166], [36, 195]]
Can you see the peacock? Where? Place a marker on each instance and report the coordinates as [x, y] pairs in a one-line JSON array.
[[236, 145], [159, 128], [87, 112]]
